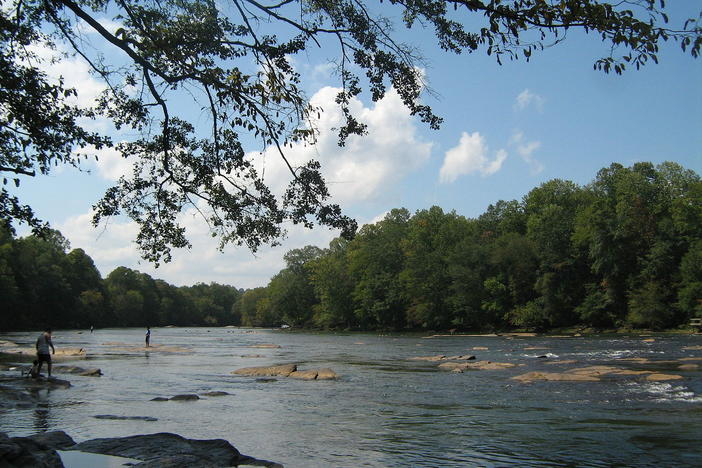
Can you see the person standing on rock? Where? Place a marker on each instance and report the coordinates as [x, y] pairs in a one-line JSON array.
[[148, 336], [42, 345]]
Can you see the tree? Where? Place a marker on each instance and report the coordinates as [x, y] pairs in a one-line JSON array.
[[376, 259], [239, 72]]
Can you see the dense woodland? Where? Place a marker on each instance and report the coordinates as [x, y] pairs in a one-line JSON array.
[[623, 251]]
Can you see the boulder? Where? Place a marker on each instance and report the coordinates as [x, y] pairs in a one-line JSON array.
[[270, 371], [326, 374], [166, 447], [36, 451]]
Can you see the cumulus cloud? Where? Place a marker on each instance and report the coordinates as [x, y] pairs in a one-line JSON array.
[[470, 156], [526, 98], [110, 164], [368, 165], [526, 149], [111, 246]]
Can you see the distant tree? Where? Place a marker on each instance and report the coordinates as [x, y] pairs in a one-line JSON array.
[[376, 260], [235, 62]]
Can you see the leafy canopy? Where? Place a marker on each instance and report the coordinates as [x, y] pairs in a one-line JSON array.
[[203, 50]]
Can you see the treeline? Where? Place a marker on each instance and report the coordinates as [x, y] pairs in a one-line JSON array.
[[44, 283], [623, 251]]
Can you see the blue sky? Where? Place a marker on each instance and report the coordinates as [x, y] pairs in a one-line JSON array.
[[506, 130]]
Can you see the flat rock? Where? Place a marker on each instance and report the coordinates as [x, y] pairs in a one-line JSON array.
[[689, 366], [304, 375], [693, 348], [478, 365], [269, 371], [555, 376], [660, 377], [480, 348], [165, 446], [265, 346]]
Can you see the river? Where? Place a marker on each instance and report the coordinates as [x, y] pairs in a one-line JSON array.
[[385, 410]]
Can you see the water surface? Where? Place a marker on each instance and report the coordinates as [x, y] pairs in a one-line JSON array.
[[385, 410]]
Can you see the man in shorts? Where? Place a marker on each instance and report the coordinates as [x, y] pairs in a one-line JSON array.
[[42, 345]]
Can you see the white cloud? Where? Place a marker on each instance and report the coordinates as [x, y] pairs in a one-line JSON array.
[[526, 149], [112, 245], [470, 156], [110, 164], [74, 70], [368, 165], [527, 98]]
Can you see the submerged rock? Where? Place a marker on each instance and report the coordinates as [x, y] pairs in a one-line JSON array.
[[443, 357], [159, 398], [215, 394], [124, 418], [185, 397], [93, 372]]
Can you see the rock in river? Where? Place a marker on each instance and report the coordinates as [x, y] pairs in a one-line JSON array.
[[162, 450], [288, 370], [269, 371]]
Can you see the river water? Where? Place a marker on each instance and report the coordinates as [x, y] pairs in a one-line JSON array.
[[385, 410]]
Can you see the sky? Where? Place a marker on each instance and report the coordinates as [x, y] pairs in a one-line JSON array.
[[507, 129]]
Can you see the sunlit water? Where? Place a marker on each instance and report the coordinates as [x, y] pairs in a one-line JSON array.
[[385, 410]]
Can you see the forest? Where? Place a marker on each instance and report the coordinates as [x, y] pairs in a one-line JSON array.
[[624, 251]]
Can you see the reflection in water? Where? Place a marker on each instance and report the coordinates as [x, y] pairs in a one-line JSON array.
[[41, 418], [386, 410]]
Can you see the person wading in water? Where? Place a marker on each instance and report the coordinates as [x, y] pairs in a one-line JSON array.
[[42, 345], [148, 336]]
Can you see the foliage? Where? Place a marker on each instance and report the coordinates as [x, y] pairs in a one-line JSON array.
[[234, 61], [625, 250]]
